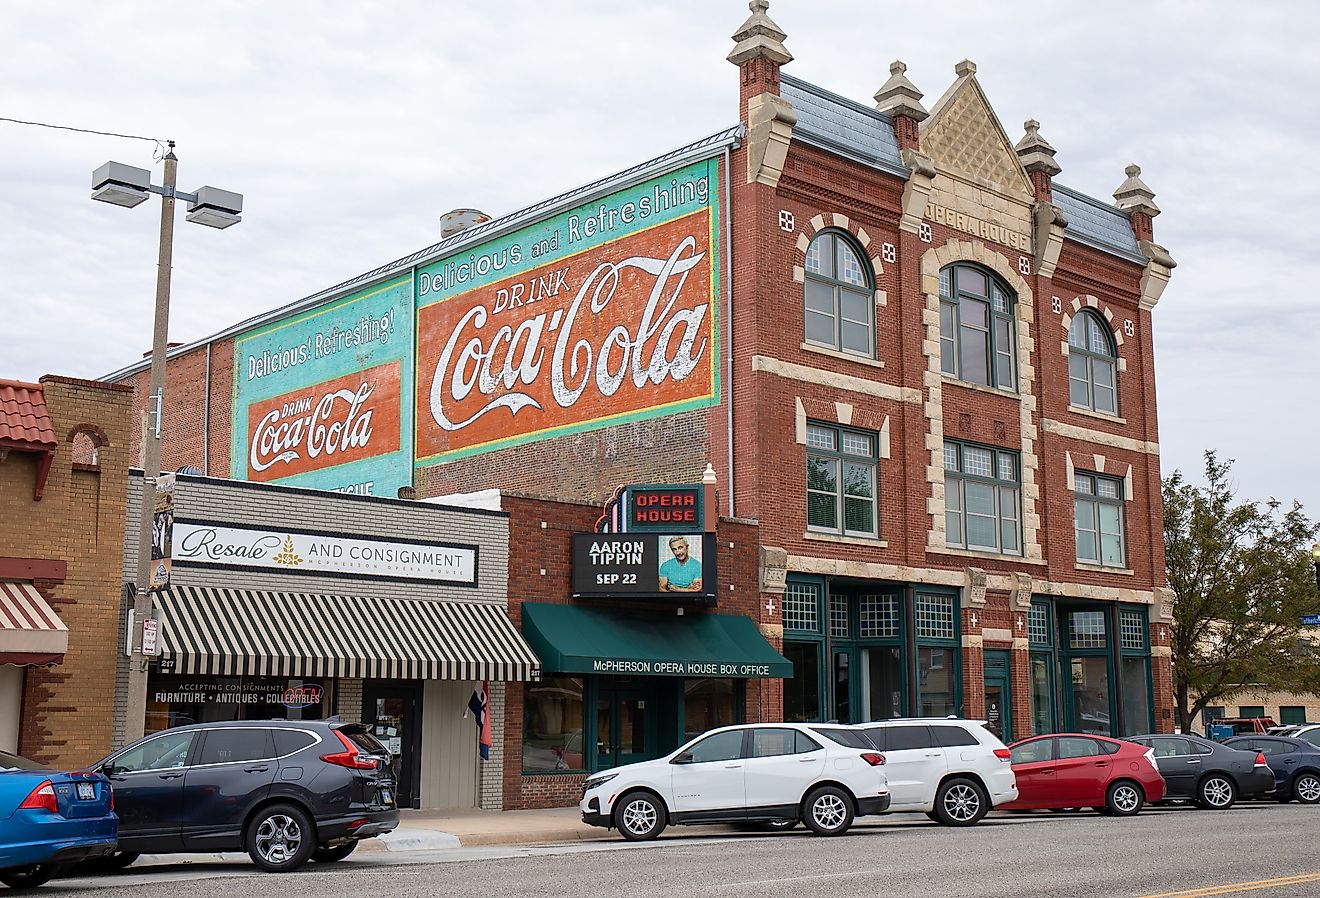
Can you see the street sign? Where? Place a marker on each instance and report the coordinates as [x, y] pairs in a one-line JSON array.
[[1311, 620], [149, 629]]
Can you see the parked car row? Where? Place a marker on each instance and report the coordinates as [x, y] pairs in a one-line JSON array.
[[955, 771], [286, 792]]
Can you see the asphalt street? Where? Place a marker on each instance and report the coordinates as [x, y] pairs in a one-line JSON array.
[[1256, 848]]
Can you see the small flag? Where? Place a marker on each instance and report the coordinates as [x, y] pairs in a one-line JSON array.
[[478, 704]]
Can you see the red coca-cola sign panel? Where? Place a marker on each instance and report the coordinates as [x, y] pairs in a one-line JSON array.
[[331, 423], [619, 330]]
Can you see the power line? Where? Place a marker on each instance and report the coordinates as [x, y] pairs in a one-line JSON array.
[[160, 144]]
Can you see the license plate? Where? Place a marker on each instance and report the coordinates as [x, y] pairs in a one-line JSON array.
[[86, 792], [386, 797]]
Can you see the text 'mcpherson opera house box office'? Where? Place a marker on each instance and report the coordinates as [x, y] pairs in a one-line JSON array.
[[286, 602], [916, 360]]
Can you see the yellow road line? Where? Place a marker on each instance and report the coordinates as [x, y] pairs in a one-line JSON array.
[[1251, 886]]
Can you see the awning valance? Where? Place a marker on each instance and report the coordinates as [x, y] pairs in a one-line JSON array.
[[252, 633], [574, 639], [30, 630]]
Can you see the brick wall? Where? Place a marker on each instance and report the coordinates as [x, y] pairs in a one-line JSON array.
[[67, 708]]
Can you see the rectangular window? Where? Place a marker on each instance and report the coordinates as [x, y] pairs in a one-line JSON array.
[[802, 691], [1135, 675], [839, 628], [1098, 519], [1086, 630], [935, 682], [1251, 710], [841, 480], [1042, 693], [877, 616], [934, 617], [552, 725], [1292, 714], [982, 500], [1131, 629], [802, 607], [1038, 625]]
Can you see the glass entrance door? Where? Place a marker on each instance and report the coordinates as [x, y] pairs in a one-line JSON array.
[[626, 721], [393, 710], [998, 696], [1088, 663]]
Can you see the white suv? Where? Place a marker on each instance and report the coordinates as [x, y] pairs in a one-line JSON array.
[[757, 773], [954, 770]]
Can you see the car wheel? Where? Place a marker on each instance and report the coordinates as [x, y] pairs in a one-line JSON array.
[[29, 877], [1124, 798], [338, 853], [960, 802], [639, 816], [829, 811], [280, 838], [1306, 788], [1216, 793]]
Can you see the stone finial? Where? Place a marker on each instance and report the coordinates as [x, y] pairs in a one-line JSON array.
[[759, 36], [1035, 151], [964, 68], [899, 96], [1134, 196]]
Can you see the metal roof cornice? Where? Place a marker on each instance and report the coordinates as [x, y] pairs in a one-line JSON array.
[[729, 137]]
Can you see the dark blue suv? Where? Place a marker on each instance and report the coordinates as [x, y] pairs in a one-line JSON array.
[[284, 791]]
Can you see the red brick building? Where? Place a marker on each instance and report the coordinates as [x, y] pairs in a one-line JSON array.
[[919, 363], [63, 481]]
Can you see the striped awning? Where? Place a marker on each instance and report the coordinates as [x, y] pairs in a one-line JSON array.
[[30, 630], [232, 632]]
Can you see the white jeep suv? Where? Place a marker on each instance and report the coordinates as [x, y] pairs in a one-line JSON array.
[[953, 770], [775, 773]]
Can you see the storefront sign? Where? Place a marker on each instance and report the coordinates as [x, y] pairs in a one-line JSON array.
[[319, 399], [604, 314], [162, 526], [645, 565], [220, 545], [664, 508], [678, 668], [302, 696]]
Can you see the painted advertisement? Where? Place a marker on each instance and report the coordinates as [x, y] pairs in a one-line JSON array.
[[603, 314], [323, 400]]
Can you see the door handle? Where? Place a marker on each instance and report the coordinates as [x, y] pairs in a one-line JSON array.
[[170, 776], [262, 769], [805, 760], [732, 766], [932, 754], [1102, 763], [1291, 761], [1194, 761]]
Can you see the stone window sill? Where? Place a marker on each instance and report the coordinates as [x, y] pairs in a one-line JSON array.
[[870, 543], [1102, 416], [845, 356], [980, 388], [1104, 569], [973, 553]]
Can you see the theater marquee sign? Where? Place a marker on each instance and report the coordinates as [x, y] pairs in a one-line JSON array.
[[206, 544], [603, 314]]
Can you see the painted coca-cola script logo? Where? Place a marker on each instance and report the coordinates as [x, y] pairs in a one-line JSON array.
[[342, 420], [622, 329]]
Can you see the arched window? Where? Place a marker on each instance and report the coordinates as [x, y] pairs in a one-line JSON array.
[[1092, 365], [977, 336], [836, 297]]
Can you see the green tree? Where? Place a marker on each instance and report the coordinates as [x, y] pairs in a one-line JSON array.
[[1242, 577]]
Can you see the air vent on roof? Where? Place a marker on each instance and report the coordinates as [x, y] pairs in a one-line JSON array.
[[460, 220]]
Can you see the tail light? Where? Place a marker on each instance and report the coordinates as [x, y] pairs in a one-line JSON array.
[[875, 759], [41, 798], [350, 757], [112, 797], [1003, 754], [1260, 760]]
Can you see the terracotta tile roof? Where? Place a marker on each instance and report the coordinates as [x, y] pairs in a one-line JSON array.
[[24, 418]]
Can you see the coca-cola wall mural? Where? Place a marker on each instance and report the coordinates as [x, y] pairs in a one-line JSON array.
[[324, 399], [603, 314]]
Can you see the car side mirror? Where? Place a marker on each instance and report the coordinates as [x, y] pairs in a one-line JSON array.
[[682, 758], [109, 769]]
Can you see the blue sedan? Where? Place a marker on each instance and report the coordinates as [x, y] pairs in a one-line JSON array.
[[1295, 762], [49, 819]]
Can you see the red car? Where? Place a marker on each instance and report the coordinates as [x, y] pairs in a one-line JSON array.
[[1072, 770]]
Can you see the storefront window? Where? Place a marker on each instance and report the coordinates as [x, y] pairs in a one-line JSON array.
[[1136, 696], [884, 682], [1042, 694], [935, 670], [552, 725], [1090, 694], [802, 692], [174, 700], [707, 704]]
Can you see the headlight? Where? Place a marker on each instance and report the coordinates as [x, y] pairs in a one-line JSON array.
[[598, 781]]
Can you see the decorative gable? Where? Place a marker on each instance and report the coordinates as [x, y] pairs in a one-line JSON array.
[[963, 135]]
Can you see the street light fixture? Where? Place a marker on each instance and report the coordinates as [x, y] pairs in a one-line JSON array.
[[1315, 558], [125, 185]]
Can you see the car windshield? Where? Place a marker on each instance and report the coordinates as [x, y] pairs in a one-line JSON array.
[[850, 738], [18, 762]]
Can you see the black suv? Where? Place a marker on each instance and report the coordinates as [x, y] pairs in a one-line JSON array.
[[284, 791]]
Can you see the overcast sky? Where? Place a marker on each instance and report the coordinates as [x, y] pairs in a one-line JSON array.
[[350, 127]]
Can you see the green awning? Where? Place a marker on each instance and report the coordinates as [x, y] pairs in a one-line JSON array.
[[574, 639]]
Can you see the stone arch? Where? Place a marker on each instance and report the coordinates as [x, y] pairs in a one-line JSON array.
[[87, 440], [932, 261], [1086, 300], [841, 222]]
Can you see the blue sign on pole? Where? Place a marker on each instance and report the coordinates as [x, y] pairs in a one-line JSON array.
[[1311, 620]]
